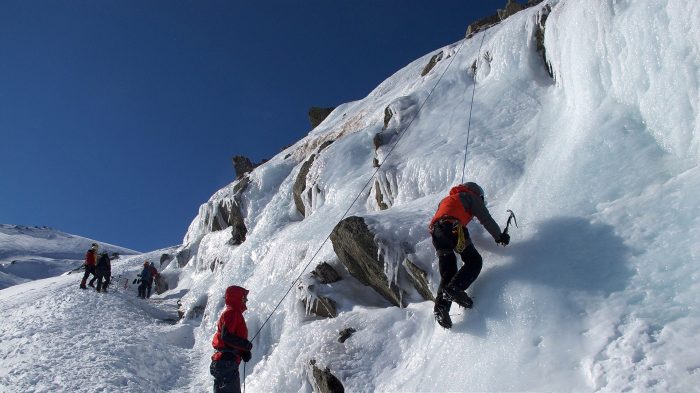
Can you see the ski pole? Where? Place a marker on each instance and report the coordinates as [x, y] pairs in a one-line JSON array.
[[510, 217]]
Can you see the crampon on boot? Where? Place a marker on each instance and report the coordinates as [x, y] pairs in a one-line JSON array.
[[458, 297], [442, 316]]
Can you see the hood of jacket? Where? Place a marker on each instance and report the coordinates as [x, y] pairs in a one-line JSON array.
[[459, 188], [234, 298]]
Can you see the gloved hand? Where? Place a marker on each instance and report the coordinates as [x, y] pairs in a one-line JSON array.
[[504, 239], [245, 355]]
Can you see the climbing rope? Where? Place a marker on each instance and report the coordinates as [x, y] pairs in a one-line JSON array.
[[374, 174], [401, 134], [469, 124]]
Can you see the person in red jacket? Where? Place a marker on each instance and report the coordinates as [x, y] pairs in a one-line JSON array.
[[230, 342], [448, 229], [90, 259]]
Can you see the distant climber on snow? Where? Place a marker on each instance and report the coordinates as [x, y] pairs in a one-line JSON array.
[[145, 278], [103, 271], [90, 259], [231, 342], [154, 274], [449, 233]]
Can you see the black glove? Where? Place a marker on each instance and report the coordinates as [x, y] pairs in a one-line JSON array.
[[504, 239], [245, 355]]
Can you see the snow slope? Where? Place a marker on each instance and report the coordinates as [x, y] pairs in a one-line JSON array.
[[595, 293], [30, 253]]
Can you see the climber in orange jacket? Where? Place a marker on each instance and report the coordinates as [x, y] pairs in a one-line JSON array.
[[449, 233]]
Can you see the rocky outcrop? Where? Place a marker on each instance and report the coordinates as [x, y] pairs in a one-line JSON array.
[[183, 257], [325, 274], [318, 115], [321, 306], [482, 24], [300, 184], [379, 197], [323, 381], [539, 38], [345, 334], [242, 165], [511, 8], [164, 259], [431, 63], [161, 282], [354, 245], [388, 114], [419, 279]]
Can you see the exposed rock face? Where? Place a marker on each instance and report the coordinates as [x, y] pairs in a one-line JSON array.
[[325, 274], [321, 306], [242, 165], [324, 381], [165, 258], [300, 184], [433, 60], [354, 244], [345, 334], [379, 196], [419, 279], [161, 283], [318, 115], [511, 8], [388, 113], [183, 256], [539, 38], [482, 24]]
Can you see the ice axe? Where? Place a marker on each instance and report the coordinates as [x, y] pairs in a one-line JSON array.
[[510, 217]]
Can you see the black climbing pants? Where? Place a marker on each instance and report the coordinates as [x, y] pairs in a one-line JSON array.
[[444, 241], [89, 269], [226, 376]]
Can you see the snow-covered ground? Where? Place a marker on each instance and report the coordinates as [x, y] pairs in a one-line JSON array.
[[30, 253], [597, 291]]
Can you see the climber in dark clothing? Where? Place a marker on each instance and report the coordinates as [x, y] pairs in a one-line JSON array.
[[449, 232], [145, 278], [103, 271]]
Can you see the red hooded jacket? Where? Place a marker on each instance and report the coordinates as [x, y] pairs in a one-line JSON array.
[[231, 320], [90, 257]]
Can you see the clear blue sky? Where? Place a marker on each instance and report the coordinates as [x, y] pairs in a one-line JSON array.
[[119, 118]]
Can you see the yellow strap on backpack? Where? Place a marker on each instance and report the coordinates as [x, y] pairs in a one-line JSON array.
[[461, 242]]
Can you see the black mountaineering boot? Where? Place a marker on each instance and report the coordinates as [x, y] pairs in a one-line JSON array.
[[442, 316], [458, 297]]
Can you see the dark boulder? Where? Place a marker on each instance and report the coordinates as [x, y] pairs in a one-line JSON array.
[[324, 381], [419, 279], [431, 63], [318, 115], [321, 306], [354, 245], [539, 38], [300, 184], [325, 274], [242, 165], [345, 334], [511, 8]]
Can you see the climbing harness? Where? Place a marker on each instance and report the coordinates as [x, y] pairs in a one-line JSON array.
[[461, 241]]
